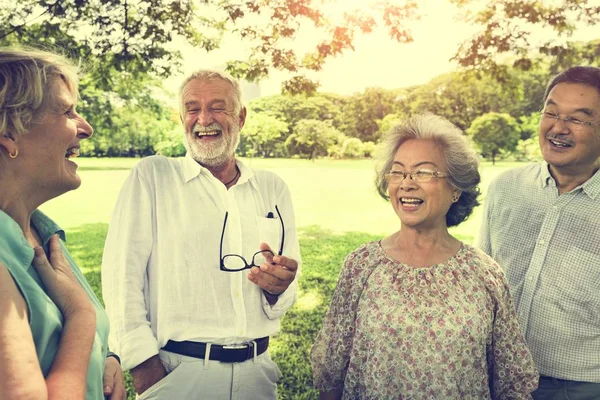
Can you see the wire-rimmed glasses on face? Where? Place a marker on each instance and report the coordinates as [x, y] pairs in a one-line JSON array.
[[420, 176], [236, 262], [572, 122]]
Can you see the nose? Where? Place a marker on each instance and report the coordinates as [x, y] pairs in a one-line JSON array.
[[559, 126], [205, 117], [407, 182], [84, 129]]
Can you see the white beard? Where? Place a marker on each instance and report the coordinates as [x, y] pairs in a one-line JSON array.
[[216, 153]]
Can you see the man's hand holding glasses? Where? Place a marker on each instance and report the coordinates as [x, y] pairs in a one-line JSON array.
[[275, 274], [272, 272]]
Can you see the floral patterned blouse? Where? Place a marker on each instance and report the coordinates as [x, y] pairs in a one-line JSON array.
[[448, 331]]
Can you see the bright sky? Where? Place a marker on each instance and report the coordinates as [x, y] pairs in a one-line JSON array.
[[377, 61]]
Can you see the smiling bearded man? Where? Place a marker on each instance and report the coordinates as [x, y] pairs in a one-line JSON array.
[[200, 259], [541, 224]]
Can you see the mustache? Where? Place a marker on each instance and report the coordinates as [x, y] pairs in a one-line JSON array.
[[560, 138], [212, 127]]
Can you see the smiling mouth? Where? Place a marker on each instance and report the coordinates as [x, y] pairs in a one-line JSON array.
[[203, 134], [72, 152], [410, 202]]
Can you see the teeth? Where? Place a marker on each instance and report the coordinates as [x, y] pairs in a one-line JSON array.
[[207, 133], [73, 152], [411, 201], [559, 144]]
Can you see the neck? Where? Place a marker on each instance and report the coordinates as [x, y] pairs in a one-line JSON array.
[[568, 178], [424, 240], [226, 173]]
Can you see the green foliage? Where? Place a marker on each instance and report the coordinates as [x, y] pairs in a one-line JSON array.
[[495, 132], [263, 135], [312, 138], [510, 27], [364, 110], [137, 38], [172, 144], [322, 254]]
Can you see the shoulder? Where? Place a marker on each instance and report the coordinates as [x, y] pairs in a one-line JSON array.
[[517, 175], [157, 163], [158, 169], [364, 258], [484, 266]]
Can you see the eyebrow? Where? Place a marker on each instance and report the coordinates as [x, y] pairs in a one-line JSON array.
[[417, 164], [584, 110], [212, 103]]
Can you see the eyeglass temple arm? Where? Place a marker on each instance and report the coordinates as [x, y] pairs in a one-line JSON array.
[[282, 230], [222, 236]]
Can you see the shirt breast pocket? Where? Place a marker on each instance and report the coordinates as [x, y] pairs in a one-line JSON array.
[[578, 281], [269, 232]]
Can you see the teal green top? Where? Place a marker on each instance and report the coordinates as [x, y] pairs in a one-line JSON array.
[[45, 319]]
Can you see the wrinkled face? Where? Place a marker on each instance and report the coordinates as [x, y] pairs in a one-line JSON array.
[[46, 150], [211, 125], [567, 146], [421, 205]]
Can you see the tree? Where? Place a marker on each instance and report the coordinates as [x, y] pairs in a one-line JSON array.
[[509, 26], [137, 35], [312, 138], [494, 133], [365, 109], [263, 135]]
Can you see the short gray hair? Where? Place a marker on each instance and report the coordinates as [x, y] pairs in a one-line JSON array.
[[461, 160], [26, 92], [211, 74]]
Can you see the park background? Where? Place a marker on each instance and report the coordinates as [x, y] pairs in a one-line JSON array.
[[324, 80]]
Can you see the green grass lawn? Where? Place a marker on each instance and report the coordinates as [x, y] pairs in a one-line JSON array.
[[337, 209], [336, 195]]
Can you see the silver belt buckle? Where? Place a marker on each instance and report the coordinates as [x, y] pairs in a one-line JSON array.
[[234, 346]]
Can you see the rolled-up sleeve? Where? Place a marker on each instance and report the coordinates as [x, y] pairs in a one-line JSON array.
[[124, 263]]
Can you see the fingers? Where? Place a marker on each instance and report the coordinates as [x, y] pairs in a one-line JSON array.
[[108, 380], [276, 274], [113, 381], [56, 254], [267, 252], [42, 265]]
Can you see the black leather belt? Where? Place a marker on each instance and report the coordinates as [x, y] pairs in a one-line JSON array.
[[223, 353]]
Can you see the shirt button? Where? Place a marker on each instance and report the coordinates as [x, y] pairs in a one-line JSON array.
[[542, 241]]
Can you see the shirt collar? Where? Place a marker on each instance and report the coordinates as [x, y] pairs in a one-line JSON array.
[[591, 187], [15, 240], [191, 169], [46, 227], [545, 176]]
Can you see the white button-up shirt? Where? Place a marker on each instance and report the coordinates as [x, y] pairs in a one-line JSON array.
[[160, 270]]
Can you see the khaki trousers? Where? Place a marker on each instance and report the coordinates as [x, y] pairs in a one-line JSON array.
[[198, 379]]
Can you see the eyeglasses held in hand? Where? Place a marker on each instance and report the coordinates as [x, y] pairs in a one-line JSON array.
[[236, 262], [420, 176]]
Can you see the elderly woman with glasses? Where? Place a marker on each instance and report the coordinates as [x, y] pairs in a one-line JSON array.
[[53, 331], [419, 314]]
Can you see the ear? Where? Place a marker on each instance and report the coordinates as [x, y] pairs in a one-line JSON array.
[[8, 143], [242, 117], [456, 195]]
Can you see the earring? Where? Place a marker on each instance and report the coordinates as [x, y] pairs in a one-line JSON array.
[[13, 156]]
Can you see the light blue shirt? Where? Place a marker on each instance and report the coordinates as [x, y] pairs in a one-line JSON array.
[[549, 245], [45, 319]]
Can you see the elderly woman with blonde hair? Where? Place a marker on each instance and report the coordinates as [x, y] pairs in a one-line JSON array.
[[419, 314], [53, 331]]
